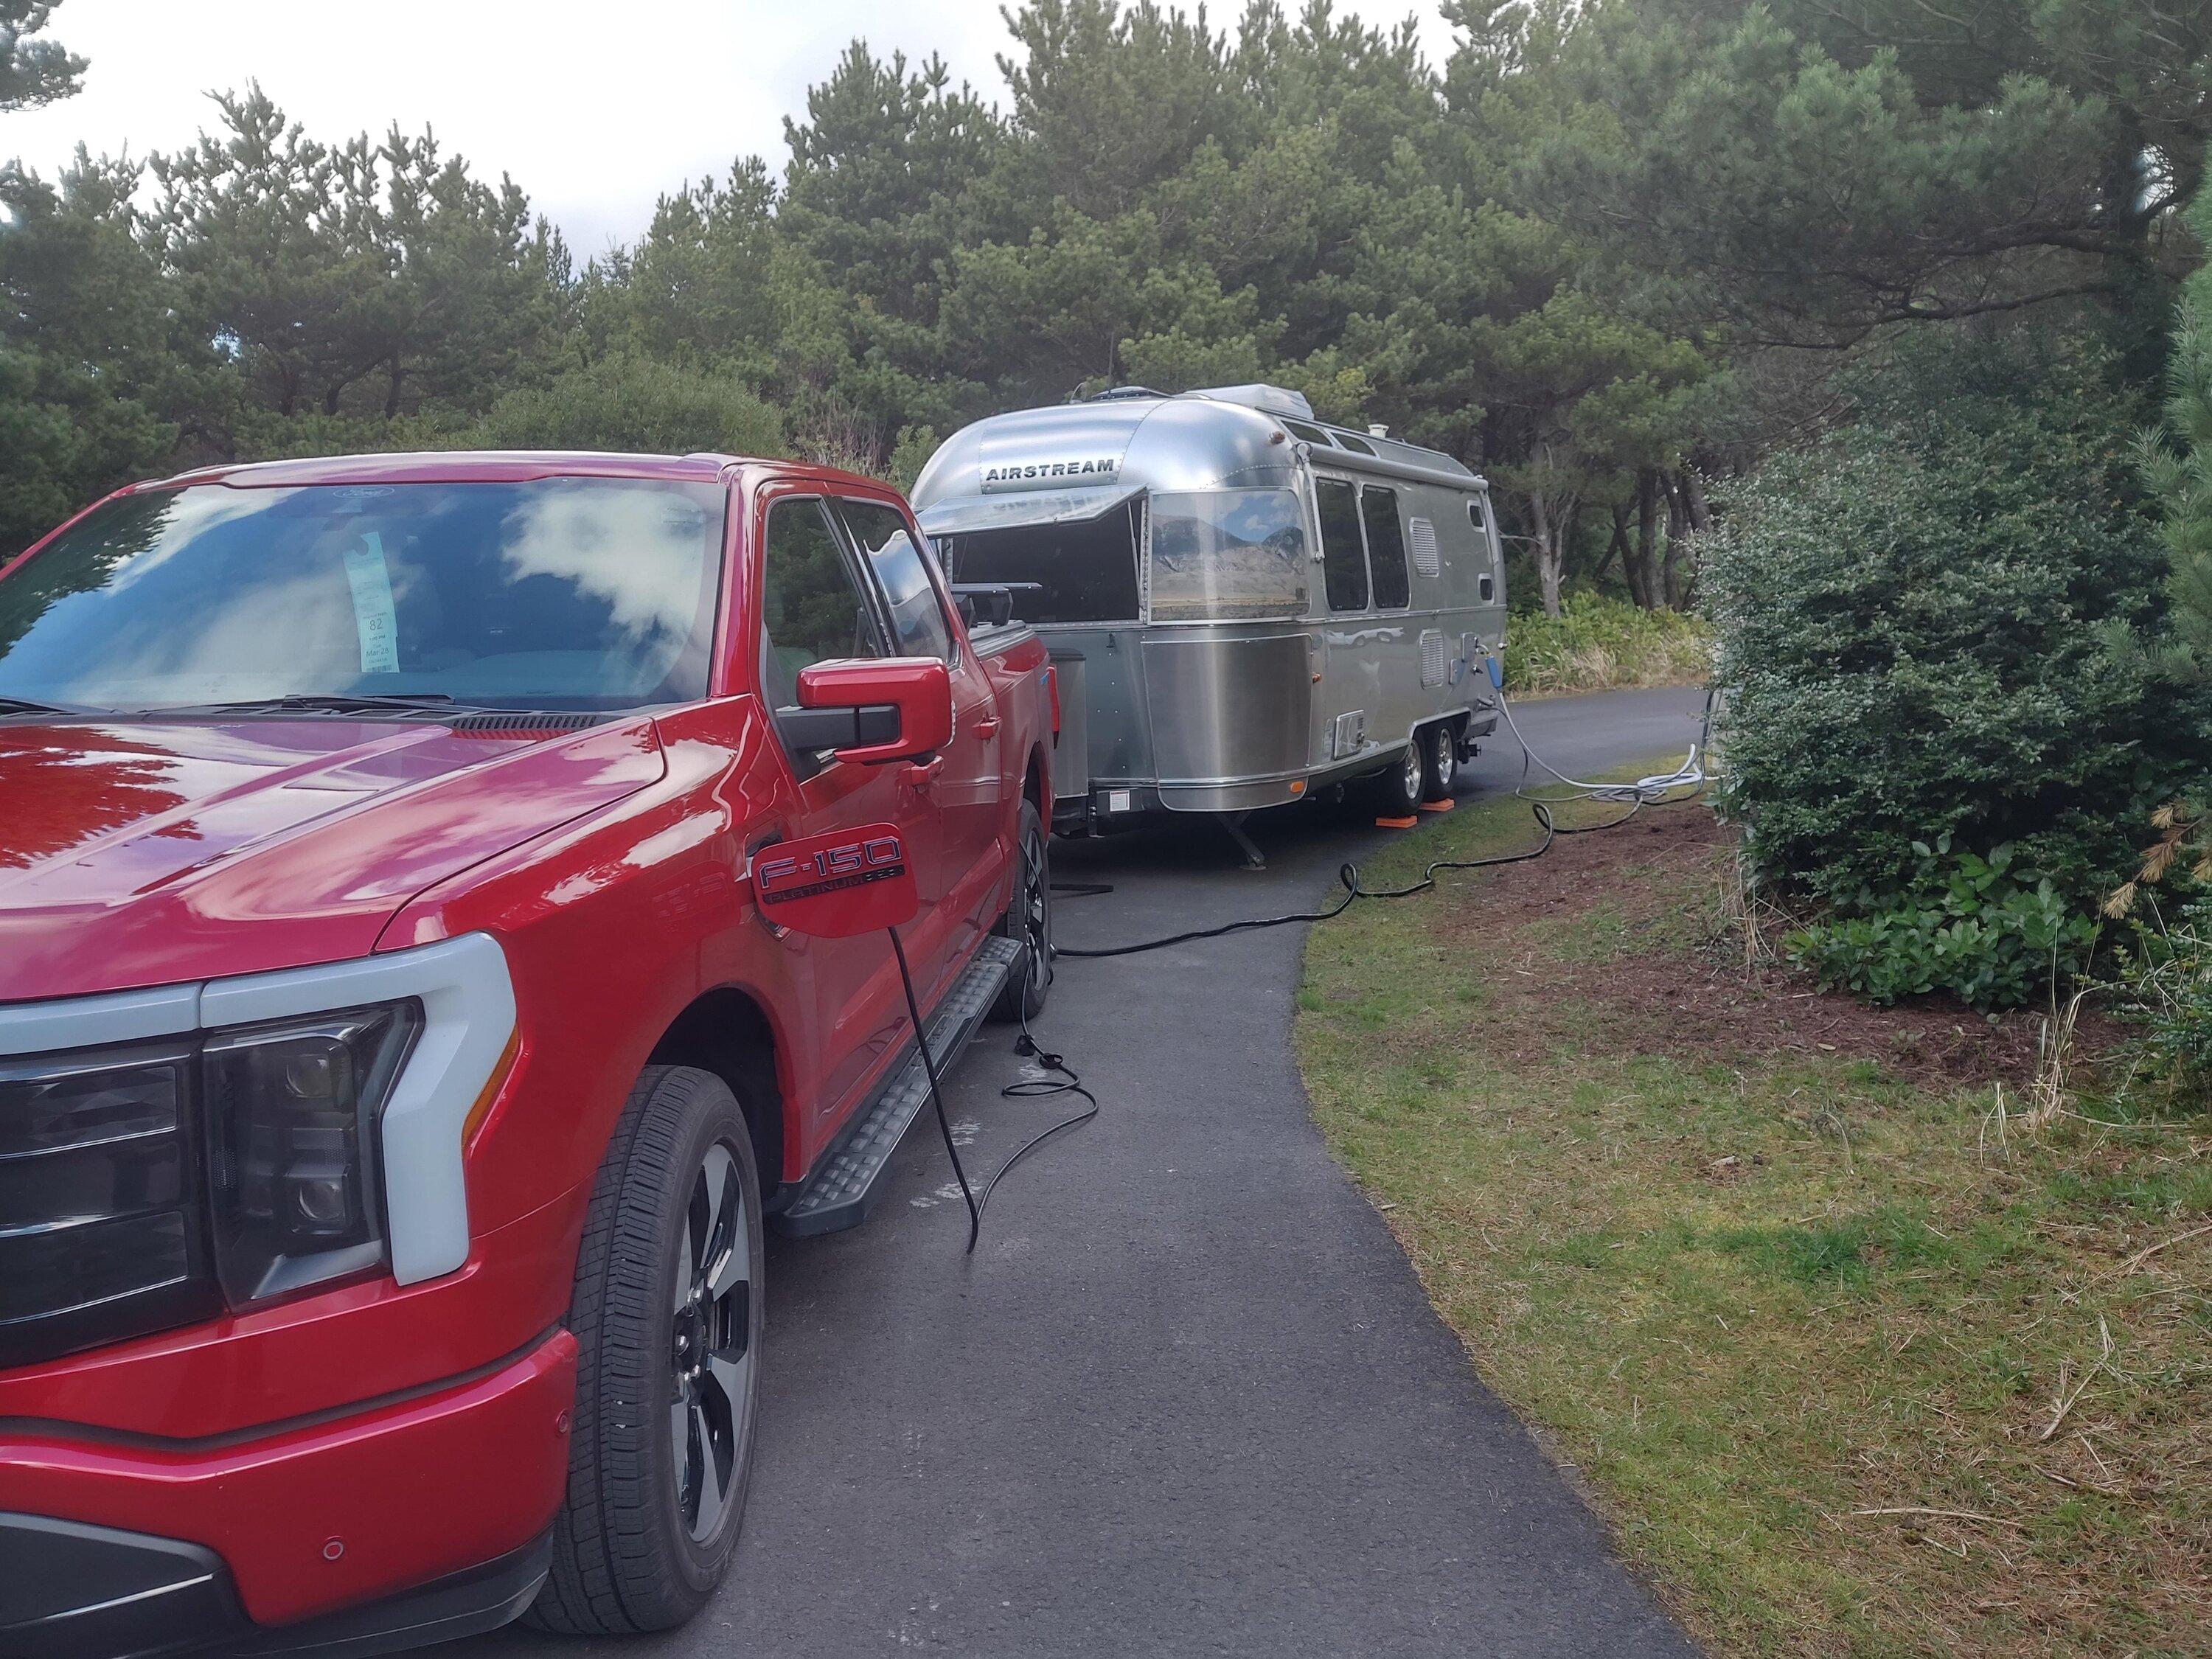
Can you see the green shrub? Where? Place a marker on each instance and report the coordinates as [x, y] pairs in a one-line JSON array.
[[1599, 643], [622, 403], [2164, 985], [1915, 625], [1965, 924]]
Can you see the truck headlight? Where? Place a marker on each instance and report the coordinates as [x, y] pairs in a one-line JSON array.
[[294, 1113]]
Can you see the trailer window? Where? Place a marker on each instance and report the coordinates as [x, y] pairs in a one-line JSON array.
[[1343, 557], [1227, 555], [1386, 548], [1081, 573]]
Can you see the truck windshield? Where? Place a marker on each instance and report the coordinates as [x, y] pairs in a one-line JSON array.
[[1227, 555], [1084, 572], [559, 593]]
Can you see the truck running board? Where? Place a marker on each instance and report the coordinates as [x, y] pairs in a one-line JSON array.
[[846, 1184]]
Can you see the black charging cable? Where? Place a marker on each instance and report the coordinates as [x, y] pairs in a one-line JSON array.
[[937, 1097], [1068, 1083], [1041, 1088], [1348, 874]]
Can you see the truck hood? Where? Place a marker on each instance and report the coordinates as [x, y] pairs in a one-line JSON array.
[[137, 854]]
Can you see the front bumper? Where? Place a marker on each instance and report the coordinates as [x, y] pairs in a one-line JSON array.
[[78, 1592], [259, 1535]]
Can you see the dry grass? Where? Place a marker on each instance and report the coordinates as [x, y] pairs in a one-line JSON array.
[[1857, 1361]]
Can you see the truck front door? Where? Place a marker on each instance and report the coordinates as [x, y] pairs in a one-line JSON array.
[[969, 791], [815, 607]]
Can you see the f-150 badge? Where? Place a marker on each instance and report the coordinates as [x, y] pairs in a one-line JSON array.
[[837, 885]]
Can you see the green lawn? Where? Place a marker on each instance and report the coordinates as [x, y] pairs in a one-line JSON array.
[[1757, 1264]]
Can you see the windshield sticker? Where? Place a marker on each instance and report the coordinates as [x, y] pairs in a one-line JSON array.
[[373, 618]]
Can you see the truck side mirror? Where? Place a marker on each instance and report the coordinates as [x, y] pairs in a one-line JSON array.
[[873, 710]]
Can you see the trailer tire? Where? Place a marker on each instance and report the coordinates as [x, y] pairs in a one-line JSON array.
[[1439, 761], [675, 1213], [1399, 786], [1027, 919]]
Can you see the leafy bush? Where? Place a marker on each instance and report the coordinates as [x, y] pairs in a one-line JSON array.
[[624, 402], [1598, 643], [2164, 986], [1965, 924], [1915, 629]]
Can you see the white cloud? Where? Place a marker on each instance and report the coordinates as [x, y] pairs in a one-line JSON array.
[[595, 110]]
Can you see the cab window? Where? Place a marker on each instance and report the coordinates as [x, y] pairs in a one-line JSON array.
[[812, 606], [1343, 559], [918, 624], [1386, 548]]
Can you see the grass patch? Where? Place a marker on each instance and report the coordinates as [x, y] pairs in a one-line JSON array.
[[1600, 644], [1757, 1260]]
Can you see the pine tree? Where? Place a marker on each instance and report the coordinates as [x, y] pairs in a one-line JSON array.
[[2179, 463], [33, 72]]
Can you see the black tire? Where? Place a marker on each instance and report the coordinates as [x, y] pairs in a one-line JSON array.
[[1027, 919], [1439, 761], [635, 1547], [1398, 787]]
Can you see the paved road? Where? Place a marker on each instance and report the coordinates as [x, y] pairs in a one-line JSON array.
[[1187, 1397]]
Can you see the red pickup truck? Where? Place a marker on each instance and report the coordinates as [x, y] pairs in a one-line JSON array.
[[398, 1070]]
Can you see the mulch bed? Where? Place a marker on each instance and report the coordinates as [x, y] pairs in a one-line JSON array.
[[1702, 1003]]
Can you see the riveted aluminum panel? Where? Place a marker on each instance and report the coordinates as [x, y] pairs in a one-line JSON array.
[[1228, 707]]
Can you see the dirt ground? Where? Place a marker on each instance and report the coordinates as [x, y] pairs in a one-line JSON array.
[[1687, 974]]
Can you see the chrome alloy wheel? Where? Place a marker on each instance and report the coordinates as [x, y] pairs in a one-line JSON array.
[[1412, 771], [710, 1345], [1037, 908]]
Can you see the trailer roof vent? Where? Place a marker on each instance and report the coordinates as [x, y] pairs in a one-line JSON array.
[[1423, 535], [1275, 400]]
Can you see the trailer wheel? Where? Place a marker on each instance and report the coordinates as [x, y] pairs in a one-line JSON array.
[[667, 1318], [1398, 787], [1439, 761], [1028, 918]]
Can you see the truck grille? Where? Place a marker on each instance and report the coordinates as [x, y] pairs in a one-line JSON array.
[[102, 1236]]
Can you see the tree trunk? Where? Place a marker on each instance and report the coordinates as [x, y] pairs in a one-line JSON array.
[[1643, 569], [1678, 532], [1618, 546], [392, 395], [1551, 551], [1693, 501]]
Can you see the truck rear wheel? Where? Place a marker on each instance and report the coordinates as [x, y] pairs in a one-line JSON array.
[[667, 1318], [1028, 918]]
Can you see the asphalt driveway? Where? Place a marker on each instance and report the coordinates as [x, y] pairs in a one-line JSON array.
[[1187, 1397]]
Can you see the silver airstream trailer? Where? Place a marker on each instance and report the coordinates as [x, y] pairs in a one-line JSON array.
[[1244, 604]]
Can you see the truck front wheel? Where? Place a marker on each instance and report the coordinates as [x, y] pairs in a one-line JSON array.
[[667, 1318]]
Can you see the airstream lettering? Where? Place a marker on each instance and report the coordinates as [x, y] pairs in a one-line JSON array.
[[1243, 602], [1027, 472]]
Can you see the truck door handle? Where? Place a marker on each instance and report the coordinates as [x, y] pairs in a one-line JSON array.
[[921, 776], [988, 726]]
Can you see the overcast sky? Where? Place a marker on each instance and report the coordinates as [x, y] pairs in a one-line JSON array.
[[595, 109]]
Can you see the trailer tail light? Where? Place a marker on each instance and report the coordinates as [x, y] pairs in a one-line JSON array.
[[294, 1113], [1052, 694]]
